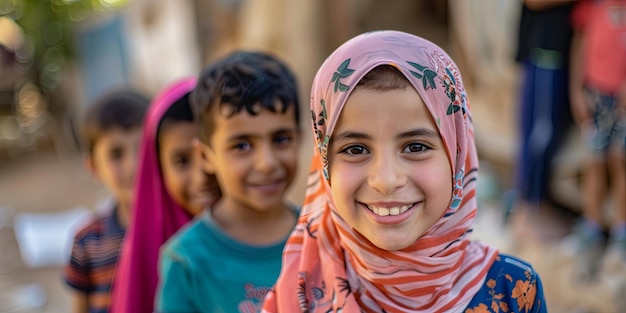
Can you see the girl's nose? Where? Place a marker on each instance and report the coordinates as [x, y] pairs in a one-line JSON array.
[[386, 174]]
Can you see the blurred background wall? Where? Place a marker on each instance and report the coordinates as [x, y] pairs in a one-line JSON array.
[[70, 51]]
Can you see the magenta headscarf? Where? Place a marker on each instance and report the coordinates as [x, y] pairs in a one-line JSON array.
[[155, 215], [327, 265]]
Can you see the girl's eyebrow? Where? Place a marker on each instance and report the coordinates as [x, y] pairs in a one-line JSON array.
[[419, 132], [347, 135], [351, 135]]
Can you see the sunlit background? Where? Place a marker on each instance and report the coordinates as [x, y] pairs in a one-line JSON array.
[[56, 56]]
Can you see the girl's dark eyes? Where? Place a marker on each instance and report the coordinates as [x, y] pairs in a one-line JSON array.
[[415, 147], [409, 148], [354, 150]]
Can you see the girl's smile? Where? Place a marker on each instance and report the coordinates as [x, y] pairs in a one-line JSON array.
[[391, 215], [389, 210]]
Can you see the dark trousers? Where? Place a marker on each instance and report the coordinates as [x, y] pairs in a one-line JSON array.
[[544, 120]]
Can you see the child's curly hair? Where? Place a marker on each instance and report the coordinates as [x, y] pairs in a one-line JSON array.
[[250, 80]]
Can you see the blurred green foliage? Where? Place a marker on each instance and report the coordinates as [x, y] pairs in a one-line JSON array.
[[48, 33]]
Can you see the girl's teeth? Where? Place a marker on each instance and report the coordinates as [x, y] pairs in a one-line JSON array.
[[388, 211]]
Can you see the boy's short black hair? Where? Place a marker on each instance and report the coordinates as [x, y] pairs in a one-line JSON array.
[[243, 80], [122, 108]]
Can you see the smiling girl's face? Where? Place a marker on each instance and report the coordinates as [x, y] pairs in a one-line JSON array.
[[389, 171]]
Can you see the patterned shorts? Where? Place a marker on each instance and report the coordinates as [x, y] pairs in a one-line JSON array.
[[609, 127]]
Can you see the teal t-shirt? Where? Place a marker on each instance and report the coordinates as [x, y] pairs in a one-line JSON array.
[[201, 269]]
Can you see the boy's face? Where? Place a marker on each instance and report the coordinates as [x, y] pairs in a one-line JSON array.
[[254, 158], [114, 162], [389, 172], [180, 165]]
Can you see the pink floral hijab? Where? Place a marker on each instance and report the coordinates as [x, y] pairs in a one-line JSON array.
[[327, 267], [155, 215]]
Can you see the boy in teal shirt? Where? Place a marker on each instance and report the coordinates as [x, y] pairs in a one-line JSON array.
[[228, 258]]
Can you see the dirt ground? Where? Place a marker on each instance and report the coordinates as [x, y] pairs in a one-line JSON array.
[[45, 184]]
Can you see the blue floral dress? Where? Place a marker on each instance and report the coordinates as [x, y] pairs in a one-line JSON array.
[[512, 285]]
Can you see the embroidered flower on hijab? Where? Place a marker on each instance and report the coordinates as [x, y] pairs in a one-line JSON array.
[[319, 128], [342, 72], [457, 191], [450, 77], [425, 74], [447, 76], [319, 124], [450, 87], [302, 299]]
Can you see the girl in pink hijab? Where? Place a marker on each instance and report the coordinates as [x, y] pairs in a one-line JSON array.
[[170, 190], [391, 196]]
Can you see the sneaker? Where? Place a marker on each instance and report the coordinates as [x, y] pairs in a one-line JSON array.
[[582, 248]]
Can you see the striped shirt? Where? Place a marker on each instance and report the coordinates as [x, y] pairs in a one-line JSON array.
[[94, 255]]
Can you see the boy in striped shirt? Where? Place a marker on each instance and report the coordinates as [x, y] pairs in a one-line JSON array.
[[110, 132]]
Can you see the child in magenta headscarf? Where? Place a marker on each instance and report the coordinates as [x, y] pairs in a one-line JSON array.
[[170, 189], [391, 197]]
